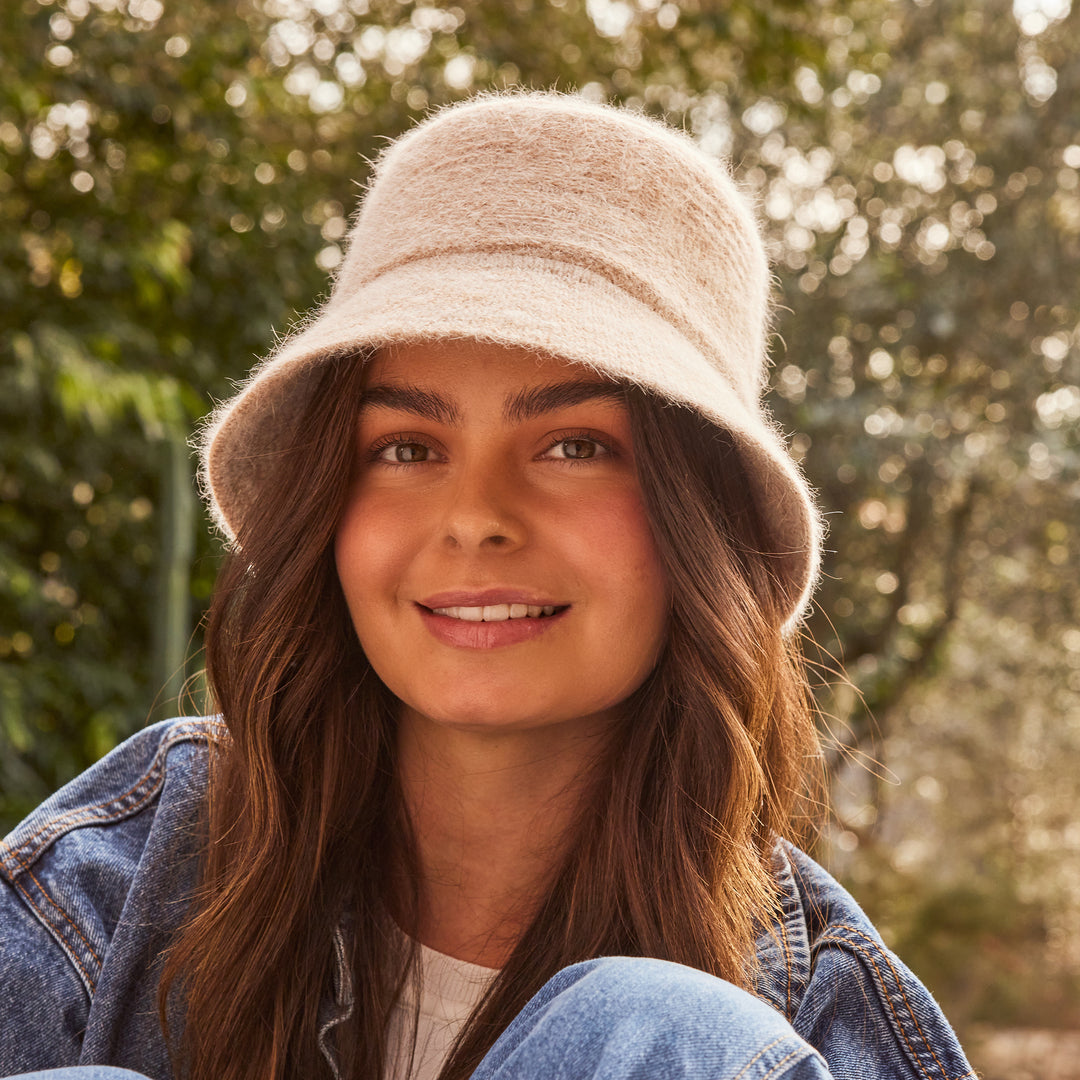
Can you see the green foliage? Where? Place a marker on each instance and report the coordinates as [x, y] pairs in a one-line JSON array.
[[175, 182]]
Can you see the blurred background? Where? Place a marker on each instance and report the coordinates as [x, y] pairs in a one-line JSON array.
[[176, 178]]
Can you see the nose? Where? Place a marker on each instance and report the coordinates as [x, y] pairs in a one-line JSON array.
[[483, 512]]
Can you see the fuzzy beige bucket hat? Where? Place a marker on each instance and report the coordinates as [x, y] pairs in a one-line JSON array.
[[583, 231]]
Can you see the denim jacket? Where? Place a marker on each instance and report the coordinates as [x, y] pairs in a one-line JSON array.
[[96, 881]]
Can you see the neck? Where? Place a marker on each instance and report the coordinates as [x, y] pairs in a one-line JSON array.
[[493, 816]]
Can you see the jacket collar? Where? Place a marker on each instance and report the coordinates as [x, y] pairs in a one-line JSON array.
[[783, 948]]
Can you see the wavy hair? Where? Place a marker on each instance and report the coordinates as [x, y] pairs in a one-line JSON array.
[[305, 824]]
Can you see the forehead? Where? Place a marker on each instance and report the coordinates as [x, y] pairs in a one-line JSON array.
[[457, 362], [449, 381]]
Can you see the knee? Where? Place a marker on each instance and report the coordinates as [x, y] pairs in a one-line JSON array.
[[659, 992], [641, 1018]]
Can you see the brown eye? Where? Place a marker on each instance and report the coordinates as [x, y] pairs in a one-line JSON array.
[[577, 449], [405, 453]]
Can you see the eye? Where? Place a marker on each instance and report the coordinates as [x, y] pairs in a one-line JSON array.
[[578, 448], [402, 453]]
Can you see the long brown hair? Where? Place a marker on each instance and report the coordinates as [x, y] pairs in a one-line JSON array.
[[717, 756]]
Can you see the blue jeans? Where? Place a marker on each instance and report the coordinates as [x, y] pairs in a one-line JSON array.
[[625, 1019]]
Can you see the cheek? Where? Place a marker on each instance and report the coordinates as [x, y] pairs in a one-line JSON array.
[[622, 550], [628, 623], [369, 548]]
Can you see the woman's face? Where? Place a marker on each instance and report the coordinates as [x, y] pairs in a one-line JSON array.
[[494, 553]]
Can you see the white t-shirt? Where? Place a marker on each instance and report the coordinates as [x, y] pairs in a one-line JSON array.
[[450, 990]]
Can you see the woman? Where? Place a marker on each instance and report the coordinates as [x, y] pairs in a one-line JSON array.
[[506, 673]]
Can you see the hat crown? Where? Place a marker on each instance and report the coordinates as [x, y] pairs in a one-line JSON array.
[[610, 191]]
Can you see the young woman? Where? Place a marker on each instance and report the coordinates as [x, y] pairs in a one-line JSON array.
[[512, 736]]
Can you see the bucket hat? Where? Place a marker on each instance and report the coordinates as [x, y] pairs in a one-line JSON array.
[[583, 231]]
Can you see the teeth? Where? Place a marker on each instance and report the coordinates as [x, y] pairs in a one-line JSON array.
[[496, 612]]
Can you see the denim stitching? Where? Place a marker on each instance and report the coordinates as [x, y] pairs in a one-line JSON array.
[[91, 984], [869, 956], [778, 932], [23, 857], [781, 1063], [764, 1050], [778, 929], [788, 963], [862, 950], [78, 816], [899, 982], [24, 861], [793, 922], [67, 918], [78, 819]]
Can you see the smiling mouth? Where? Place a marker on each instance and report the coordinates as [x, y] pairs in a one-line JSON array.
[[499, 612]]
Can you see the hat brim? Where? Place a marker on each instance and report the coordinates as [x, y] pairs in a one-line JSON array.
[[511, 298]]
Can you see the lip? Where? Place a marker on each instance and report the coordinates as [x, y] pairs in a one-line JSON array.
[[489, 598], [461, 634]]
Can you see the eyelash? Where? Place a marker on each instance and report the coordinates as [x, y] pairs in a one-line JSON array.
[[581, 436], [403, 439], [398, 439]]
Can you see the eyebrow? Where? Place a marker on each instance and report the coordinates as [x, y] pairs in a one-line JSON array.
[[523, 405], [425, 403], [537, 400]]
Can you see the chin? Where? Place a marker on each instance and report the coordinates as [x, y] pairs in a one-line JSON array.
[[502, 710], [481, 714]]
